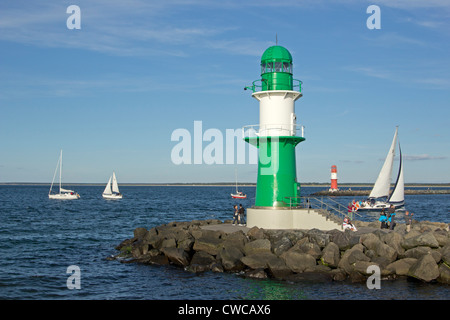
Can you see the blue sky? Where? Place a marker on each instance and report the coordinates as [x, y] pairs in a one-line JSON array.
[[111, 94]]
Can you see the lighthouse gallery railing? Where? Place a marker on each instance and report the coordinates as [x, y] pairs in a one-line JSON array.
[[257, 85], [256, 130]]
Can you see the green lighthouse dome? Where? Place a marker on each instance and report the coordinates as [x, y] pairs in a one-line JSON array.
[[276, 69], [276, 53]]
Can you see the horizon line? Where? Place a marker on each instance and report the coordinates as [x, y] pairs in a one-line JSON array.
[[242, 184]]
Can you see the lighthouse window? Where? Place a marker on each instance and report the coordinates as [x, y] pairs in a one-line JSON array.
[[263, 67], [269, 67], [287, 67], [277, 67]]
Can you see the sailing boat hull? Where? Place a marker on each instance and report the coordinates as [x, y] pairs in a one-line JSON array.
[[379, 205], [239, 196], [64, 196], [112, 196]]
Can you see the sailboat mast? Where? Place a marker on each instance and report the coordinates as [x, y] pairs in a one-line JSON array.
[[235, 173], [54, 176], [60, 171]]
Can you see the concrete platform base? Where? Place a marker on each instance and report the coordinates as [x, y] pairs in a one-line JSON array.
[[272, 218]]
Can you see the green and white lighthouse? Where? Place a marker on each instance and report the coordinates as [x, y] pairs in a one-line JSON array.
[[277, 134], [277, 203]]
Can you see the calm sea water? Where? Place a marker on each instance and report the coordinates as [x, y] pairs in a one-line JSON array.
[[41, 238]]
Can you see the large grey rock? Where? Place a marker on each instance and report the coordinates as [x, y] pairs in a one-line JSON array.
[[385, 251], [176, 255], [418, 252], [331, 255], [139, 233], [208, 240], [357, 255], [237, 239], [168, 243], [344, 240], [444, 273], [441, 237], [394, 240], [305, 246], [281, 245], [345, 264], [277, 268], [258, 260], [201, 261], [155, 257], [424, 269], [230, 256], [255, 233], [298, 262], [401, 267], [426, 239], [372, 242], [294, 235], [186, 244], [445, 252], [318, 237], [257, 246]]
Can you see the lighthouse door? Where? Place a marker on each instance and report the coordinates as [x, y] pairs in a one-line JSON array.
[[293, 124]]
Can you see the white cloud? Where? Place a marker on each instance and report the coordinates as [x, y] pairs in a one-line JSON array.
[[420, 157]]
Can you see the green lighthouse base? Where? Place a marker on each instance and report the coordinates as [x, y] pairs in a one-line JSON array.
[[277, 184]]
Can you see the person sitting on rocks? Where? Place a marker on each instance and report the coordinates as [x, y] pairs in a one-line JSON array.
[[347, 224]]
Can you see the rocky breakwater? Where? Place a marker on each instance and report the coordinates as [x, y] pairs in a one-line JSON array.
[[295, 255]]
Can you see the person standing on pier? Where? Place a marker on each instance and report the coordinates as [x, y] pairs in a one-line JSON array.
[[241, 213], [408, 221], [391, 218], [235, 215]]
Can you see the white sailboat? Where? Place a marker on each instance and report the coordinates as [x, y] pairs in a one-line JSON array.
[[238, 194], [380, 196], [63, 194], [112, 193]]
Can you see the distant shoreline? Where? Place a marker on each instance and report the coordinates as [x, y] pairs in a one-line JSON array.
[[227, 184]]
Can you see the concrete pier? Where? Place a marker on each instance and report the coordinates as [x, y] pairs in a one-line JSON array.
[[285, 218]]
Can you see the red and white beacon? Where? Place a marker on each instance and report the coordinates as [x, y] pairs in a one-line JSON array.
[[334, 185]]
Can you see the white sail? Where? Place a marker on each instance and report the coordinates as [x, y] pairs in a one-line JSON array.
[[108, 187], [398, 194], [54, 175], [383, 183], [115, 186]]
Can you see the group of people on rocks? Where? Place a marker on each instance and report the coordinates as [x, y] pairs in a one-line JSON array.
[[387, 219]]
